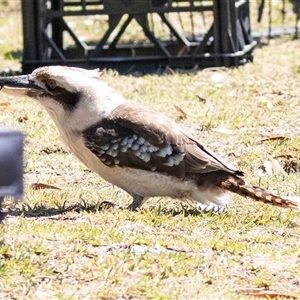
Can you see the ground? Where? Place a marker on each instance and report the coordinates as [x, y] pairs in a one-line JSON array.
[[63, 244]]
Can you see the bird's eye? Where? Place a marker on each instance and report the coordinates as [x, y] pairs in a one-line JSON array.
[[51, 83]]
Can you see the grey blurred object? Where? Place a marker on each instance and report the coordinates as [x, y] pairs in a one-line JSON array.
[[11, 165]]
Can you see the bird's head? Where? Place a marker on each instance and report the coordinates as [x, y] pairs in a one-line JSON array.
[[65, 92], [59, 84]]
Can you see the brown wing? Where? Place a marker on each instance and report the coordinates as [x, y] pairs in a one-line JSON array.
[[137, 137]]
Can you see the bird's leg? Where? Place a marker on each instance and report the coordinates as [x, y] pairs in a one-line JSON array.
[[137, 202]]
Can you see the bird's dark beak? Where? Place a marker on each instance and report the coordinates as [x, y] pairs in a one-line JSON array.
[[19, 86]]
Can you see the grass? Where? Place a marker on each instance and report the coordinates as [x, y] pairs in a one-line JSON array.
[[63, 244]]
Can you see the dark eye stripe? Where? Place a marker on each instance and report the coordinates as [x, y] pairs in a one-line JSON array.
[[67, 99]]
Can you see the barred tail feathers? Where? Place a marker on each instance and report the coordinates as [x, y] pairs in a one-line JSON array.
[[238, 186]]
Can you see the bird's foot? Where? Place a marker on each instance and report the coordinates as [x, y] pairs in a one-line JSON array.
[[219, 209], [108, 204], [137, 202]]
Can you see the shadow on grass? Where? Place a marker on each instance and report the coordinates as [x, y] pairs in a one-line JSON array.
[[41, 210], [185, 211]]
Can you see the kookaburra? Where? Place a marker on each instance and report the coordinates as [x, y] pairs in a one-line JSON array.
[[135, 148]]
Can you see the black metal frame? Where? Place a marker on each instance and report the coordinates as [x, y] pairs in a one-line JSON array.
[[228, 42]]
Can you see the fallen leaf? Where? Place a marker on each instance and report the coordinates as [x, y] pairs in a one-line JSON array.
[[183, 112], [200, 98], [273, 138], [271, 295], [43, 278], [22, 119], [260, 292], [4, 104], [180, 110], [287, 156], [42, 186]]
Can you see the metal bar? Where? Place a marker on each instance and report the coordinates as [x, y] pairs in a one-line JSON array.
[[227, 42], [73, 35], [62, 13], [113, 22], [57, 24], [69, 3], [181, 38], [30, 28], [54, 46], [143, 22], [216, 28], [241, 53], [234, 20], [260, 10], [121, 31], [203, 44], [270, 19]]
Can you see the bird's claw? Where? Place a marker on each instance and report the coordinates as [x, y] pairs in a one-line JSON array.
[[219, 209], [108, 204]]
